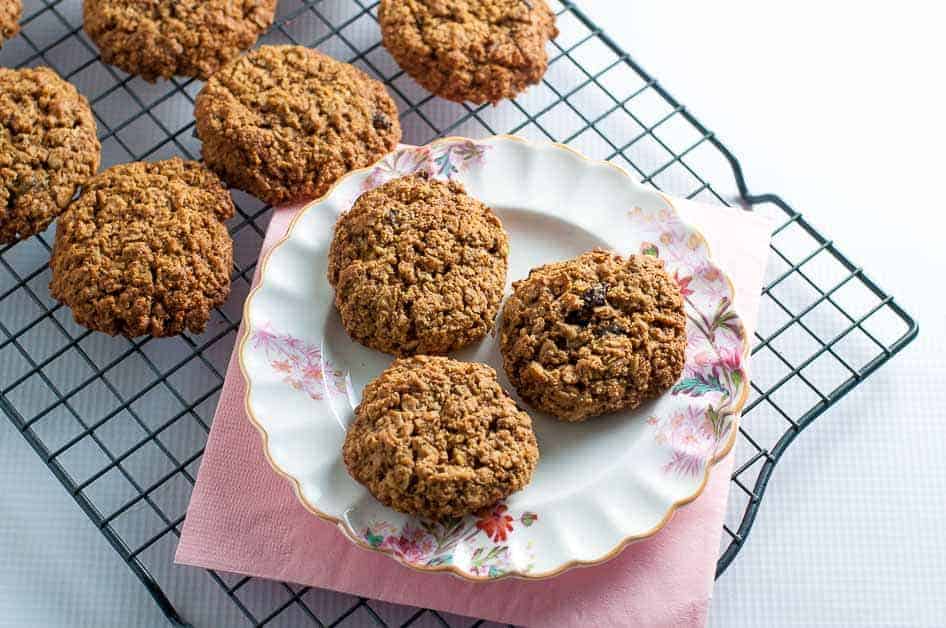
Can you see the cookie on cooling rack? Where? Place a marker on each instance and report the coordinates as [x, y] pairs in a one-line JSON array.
[[285, 122], [594, 334], [144, 250], [469, 50], [10, 12], [439, 438], [418, 266], [162, 38], [48, 148]]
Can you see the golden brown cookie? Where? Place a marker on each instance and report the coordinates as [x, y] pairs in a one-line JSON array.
[[594, 334], [418, 266], [469, 50], [439, 438], [10, 12], [48, 148], [144, 250], [162, 38], [284, 122]]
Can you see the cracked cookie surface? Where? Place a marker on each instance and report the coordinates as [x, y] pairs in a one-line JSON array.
[[10, 12], [418, 266], [285, 122], [594, 334], [48, 148], [164, 38], [144, 250], [439, 438], [469, 50]]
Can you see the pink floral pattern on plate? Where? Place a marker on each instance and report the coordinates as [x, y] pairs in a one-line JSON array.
[[445, 160], [480, 540], [301, 364], [713, 376]]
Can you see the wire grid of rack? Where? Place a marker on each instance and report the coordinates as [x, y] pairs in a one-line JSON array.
[[122, 424]]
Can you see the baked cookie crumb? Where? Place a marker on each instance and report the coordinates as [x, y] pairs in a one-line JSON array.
[[439, 438], [144, 249], [594, 334], [418, 266]]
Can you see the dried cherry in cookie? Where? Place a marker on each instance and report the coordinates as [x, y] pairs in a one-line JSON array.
[[594, 334], [439, 438]]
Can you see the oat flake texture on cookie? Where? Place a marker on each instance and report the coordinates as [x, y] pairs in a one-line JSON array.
[[163, 38], [10, 12], [418, 266], [48, 148], [439, 438], [469, 50], [285, 122], [594, 334], [144, 249]]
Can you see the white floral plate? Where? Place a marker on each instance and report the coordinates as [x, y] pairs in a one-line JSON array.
[[599, 484]]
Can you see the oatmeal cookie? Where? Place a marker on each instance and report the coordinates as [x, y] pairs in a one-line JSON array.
[[594, 334], [10, 12], [439, 438], [144, 250], [469, 50], [48, 148], [418, 266], [161, 38], [284, 122]]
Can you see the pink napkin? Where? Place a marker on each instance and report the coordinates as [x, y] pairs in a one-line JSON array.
[[244, 518]]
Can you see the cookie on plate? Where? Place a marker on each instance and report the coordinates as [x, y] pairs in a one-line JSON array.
[[144, 250], [163, 38], [10, 12], [48, 148], [469, 50], [439, 438], [594, 334], [418, 266], [285, 122]]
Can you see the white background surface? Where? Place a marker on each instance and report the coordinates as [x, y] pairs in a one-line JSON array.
[[838, 108]]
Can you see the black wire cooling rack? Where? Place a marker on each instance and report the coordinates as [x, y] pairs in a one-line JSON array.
[[122, 424]]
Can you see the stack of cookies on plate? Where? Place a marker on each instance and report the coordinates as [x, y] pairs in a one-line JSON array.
[[418, 265]]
